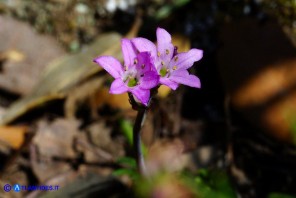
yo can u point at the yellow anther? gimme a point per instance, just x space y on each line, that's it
175 67
162 63
167 51
135 61
158 54
176 58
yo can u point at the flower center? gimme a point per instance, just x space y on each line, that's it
163 71
132 82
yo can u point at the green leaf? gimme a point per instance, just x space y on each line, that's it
167 9
213 183
133 174
127 129
128 161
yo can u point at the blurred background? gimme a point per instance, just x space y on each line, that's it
59 126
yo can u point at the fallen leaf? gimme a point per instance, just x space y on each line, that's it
166 155
13 175
118 101
266 84
14 136
98 145
20 50
56 139
280 118
13 55
163 91
81 94
46 169
53 140
63 74
259 77
163 186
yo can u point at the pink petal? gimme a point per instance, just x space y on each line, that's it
128 52
183 77
144 45
111 65
149 80
164 45
169 83
144 62
185 60
118 87
142 95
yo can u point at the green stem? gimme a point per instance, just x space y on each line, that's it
140 119
137 140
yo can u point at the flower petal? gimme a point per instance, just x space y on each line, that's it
185 60
169 83
164 45
110 64
183 77
118 87
149 80
128 51
142 95
144 45
144 63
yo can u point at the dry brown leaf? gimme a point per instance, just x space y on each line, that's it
166 155
13 55
53 140
65 73
259 77
266 84
98 145
46 169
169 185
14 136
84 93
119 101
280 118
163 91
13 175
56 139
21 54
266 90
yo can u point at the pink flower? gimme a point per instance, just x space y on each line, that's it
170 65
137 76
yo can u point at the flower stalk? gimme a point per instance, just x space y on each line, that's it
140 119
137 140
